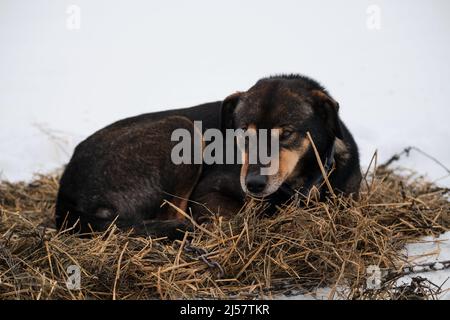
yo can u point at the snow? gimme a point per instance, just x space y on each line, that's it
425 250
58 85
431 250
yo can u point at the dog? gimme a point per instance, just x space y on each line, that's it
123 173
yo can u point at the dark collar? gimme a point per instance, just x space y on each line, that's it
316 180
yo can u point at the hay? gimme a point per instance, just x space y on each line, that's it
297 250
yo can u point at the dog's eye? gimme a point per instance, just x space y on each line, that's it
286 134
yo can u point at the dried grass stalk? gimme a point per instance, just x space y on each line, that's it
300 248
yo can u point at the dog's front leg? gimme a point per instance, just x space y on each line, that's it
172 229
215 203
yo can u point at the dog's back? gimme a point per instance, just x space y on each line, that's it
124 171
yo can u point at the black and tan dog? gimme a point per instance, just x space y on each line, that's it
123 173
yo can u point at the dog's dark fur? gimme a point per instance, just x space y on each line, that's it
123 173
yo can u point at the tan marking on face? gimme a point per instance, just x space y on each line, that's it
300 152
244 170
251 130
289 160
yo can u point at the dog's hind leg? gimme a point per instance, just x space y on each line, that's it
124 176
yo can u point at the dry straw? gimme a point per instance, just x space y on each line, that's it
297 250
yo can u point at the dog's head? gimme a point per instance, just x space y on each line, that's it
287 106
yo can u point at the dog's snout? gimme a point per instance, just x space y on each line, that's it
256 183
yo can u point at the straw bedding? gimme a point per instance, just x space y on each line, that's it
251 256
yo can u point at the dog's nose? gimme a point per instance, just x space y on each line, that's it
256 183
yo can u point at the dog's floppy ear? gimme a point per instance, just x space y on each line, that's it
328 108
228 106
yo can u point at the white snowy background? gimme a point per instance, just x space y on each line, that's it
58 84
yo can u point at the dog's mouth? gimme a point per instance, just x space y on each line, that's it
268 188
272 192
284 194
